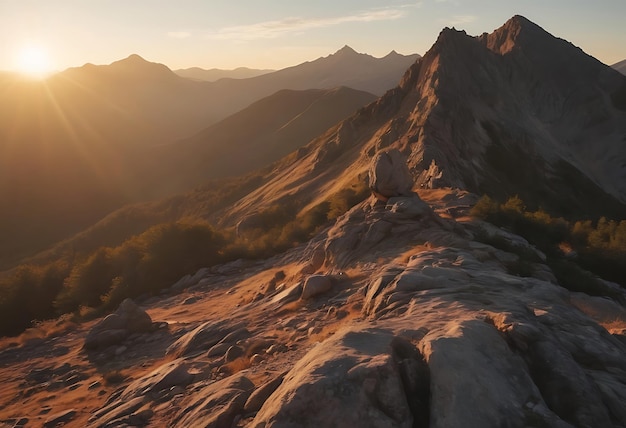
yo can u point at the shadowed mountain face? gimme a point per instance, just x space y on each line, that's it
620 66
252 138
197 73
517 111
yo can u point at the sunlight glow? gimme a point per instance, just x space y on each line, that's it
33 61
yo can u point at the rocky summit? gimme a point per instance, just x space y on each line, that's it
406 311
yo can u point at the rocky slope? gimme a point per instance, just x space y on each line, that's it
394 316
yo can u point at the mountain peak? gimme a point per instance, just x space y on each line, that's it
135 63
517 30
346 50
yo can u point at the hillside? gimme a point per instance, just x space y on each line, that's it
73 146
493 115
253 138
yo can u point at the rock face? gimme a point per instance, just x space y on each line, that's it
127 319
355 379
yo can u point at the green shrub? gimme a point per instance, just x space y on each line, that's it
600 249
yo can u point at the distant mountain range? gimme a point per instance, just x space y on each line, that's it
73 147
253 138
213 74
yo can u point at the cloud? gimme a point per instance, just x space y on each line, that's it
290 25
461 19
179 34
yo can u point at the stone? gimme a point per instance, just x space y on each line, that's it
262 393
114 328
174 373
316 285
288 295
200 339
389 175
348 380
61 418
233 353
217 404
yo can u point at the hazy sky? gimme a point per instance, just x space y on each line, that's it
277 33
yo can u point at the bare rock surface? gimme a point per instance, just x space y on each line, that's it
352 378
389 175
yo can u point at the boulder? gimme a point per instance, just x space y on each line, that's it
218 403
350 380
389 175
202 338
316 285
262 393
174 373
113 329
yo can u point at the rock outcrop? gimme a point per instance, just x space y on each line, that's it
389 175
115 328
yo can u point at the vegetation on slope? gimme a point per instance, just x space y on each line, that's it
576 251
100 277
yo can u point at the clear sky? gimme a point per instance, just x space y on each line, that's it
276 33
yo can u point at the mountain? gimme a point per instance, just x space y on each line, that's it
70 144
406 310
255 137
620 66
213 74
514 112
346 67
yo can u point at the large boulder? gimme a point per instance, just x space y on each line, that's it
355 379
389 175
126 320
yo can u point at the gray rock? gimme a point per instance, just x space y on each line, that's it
200 339
218 404
349 380
174 373
233 353
62 418
290 294
389 175
114 411
262 393
315 285
114 328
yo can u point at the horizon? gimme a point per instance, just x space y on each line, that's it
41 37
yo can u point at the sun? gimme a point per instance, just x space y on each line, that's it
33 61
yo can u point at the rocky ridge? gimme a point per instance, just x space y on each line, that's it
516 111
416 315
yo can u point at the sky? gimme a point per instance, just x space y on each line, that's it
57 34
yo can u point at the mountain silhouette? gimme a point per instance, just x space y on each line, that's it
214 74
253 138
70 142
